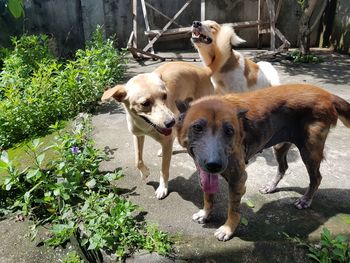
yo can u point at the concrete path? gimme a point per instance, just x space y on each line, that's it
262 240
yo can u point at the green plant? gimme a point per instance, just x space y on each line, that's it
297 56
328 250
15 7
72 257
36 90
75 198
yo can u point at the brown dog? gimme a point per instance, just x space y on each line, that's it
149 102
222 133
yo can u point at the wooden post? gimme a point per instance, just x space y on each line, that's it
271 9
150 44
259 25
144 11
134 22
202 10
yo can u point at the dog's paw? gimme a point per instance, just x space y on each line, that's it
303 203
144 172
161 192
201 216
267 189
224 233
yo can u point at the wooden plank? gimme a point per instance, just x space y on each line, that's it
278 9
187 30
202 10
167 25
137 50
162 14
144 11
134 22
271 10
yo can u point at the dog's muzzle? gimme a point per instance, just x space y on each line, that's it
165 131
197 36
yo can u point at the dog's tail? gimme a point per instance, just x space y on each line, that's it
343 110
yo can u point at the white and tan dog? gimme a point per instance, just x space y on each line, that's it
230 71
149 101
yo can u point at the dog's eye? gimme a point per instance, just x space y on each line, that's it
197 127
228 129
165 96
146 103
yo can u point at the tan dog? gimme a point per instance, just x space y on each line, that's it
222 133
230 71
149 101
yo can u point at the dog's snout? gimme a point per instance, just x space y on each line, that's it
214 166
169 123
196 24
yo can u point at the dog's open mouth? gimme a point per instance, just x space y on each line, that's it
164 131
208 182
198 37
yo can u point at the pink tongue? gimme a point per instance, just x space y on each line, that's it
208 182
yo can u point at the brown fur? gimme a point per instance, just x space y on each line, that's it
233 128
149 101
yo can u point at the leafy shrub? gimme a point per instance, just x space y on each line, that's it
36 89
329 249
75 198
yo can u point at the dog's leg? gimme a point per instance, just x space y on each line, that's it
138 144
236 191
281 151
167 149
312 155
202 215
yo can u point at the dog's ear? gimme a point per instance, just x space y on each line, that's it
117 92
236 40
241 113
183 105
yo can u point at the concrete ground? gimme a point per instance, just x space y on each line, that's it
262 240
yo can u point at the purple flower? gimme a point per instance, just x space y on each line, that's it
75 150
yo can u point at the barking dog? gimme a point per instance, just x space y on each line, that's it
230 71
149 101
221 133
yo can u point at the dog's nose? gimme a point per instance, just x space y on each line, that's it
169 123
196 24
214 166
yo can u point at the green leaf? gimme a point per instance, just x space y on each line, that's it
91 184
341 238
40 158
31 173
313 257
36 143
250 204
244 221
16 8
5 157
326 234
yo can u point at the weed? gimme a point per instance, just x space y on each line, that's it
298 57
73 197
36 89
328 250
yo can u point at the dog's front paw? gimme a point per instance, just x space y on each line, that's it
303 202
161 192
144 172
201 216
267 189
224 233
